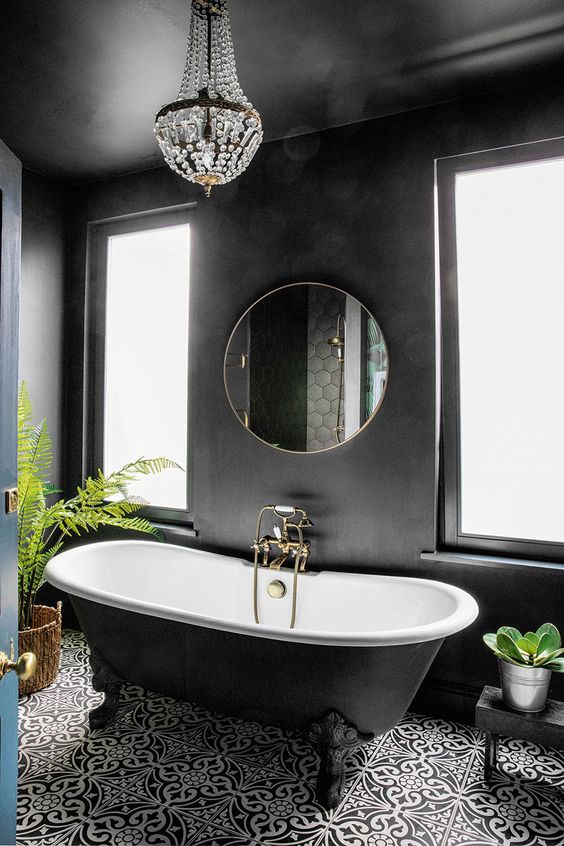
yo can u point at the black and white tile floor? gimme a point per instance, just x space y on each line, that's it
167 772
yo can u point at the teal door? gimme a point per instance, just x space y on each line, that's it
10 227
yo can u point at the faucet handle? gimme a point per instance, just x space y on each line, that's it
290 511
277 531
285 510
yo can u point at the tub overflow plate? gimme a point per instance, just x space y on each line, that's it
276 589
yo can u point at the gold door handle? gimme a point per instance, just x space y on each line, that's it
24 667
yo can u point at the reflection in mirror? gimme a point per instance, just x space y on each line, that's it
306 367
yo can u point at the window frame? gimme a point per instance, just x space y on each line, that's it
449 534
98 234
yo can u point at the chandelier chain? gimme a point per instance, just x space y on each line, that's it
209 37
211 132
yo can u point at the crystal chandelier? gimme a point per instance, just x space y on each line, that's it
210 133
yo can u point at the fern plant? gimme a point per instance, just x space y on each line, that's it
44 527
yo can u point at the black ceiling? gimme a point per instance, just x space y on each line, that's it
81 80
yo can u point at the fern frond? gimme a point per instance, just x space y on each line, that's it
149 466
25 411
36 453
122 508
133 497
101 501
139 524
42 560
84 521
31 508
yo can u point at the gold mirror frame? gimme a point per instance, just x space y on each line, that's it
242 414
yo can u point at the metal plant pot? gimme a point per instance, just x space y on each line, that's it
524 688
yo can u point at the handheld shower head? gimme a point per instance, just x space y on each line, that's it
338 340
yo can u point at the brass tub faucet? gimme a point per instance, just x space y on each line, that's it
290 543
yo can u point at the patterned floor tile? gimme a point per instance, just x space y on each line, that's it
125 822
52 729
213 836
117 754
239 739
360 824
435 739
52 801
73 676
170 773
74 650
161 714
461 838
80 700
510 812
275 810
197 782
420 787
297 757
73 639
526 762
25 762
131 694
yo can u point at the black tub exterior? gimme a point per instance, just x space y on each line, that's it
270 681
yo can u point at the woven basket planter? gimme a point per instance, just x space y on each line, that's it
44 640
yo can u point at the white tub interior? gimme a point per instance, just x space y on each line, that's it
214 590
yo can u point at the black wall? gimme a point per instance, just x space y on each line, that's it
278 369
353 207
44 205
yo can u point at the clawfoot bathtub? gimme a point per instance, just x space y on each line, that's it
180 622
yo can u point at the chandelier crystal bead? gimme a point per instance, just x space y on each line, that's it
210 133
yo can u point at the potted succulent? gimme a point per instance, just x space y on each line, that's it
44 525
525 664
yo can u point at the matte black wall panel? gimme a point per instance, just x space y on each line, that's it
45 206
41 309
365 225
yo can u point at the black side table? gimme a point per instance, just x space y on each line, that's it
495 718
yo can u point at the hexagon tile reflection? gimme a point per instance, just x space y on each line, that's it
323 373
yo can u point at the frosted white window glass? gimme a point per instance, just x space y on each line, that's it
146 357
510 254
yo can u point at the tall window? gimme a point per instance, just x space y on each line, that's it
501 234
139 302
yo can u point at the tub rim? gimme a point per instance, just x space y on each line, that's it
464 614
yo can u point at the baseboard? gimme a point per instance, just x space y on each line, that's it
449 700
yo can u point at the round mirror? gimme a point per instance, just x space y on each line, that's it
306 367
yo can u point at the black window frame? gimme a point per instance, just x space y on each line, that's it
449 534
98 234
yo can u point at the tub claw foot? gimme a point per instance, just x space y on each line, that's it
106 681
334 738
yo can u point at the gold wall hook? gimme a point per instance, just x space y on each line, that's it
241 364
